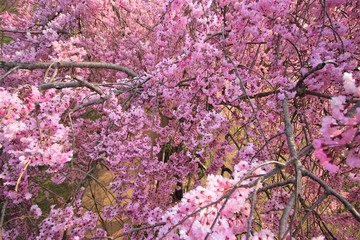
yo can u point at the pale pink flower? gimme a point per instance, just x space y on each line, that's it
349 83
36 211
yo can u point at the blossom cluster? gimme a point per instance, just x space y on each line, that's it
218 210
340 130
31 136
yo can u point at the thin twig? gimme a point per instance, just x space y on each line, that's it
277 184
47 72
96 180
90 86
138 229
309 211
7 73
242 85
237 73
21 174
90 103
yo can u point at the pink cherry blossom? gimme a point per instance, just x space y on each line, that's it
179 119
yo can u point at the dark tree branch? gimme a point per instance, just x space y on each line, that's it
277 184
262 94
19 31
90 86
317 94
300 87
54 65
327 96
59 85
90 103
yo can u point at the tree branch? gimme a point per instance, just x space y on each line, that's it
331 191
19 31
138 229
277 184
249 220
288 129
59 85
298 176
285 216
327 96
90 86
54 65
309 211
3 210
300 87
7 73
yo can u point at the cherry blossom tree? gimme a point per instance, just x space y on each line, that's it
213 119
